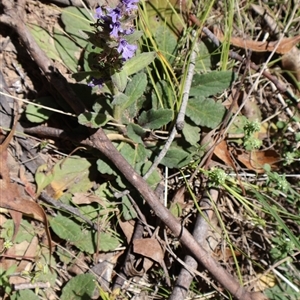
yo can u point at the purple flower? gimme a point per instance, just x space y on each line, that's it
130 4
128 31
99 13
126 49
115 14
96 81
116 28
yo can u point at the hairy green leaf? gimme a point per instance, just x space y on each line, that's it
191 133
135 133
45 40
77 23
162 95
120 79
166 42
68 50
72 174
25 233
134 155
155 176
24 295
80 287
205 111
120 99
105 167
138 62
155 119
38 114
209 84
92 119
108 242
135 89
128 212
66 229
165 14
176 157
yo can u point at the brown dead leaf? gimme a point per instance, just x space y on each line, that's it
87 198
127 228
291 62
22 254
225 254
17 218
149 248
13 200
284 46
222 152
26 249
255 160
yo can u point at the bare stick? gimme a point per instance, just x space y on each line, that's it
181 114
201 228
187 86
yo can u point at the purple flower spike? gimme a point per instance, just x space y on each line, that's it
116 28
115 14
130 4
128 31
126 49
96 81
99 13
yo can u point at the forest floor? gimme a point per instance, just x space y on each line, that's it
78 222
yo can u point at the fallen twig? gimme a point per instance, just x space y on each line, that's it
185 277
